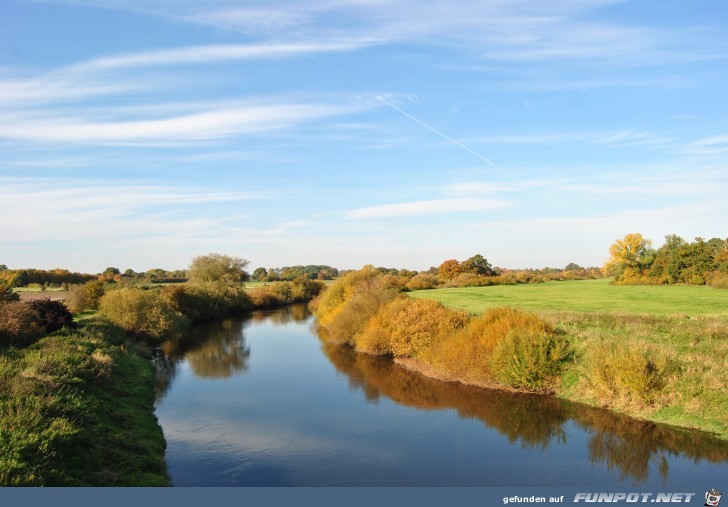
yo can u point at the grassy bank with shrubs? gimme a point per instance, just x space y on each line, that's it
661 368
77 409
77 396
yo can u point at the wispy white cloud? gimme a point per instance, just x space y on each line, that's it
527 30
213 124
428 207
707 146
208 54
623 137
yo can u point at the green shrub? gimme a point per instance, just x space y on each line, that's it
530 357
85 297
205 301
626 374
141 312
19 324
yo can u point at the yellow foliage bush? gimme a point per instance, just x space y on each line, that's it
626 373
471 352
331 301
405 327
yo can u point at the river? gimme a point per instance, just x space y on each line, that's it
263 401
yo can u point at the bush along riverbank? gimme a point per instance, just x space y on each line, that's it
663 369
77 400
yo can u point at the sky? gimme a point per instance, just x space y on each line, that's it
399 133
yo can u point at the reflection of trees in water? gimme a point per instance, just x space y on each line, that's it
528 419
283 316
631 445
619 442
217 349
213 350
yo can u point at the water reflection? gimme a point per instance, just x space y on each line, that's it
630 445
214 349
298 314
621 443
217 349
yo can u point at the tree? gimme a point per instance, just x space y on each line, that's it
216 267
3 267
260 274
6 293
477 264
449 269
629 257
109 273
573 266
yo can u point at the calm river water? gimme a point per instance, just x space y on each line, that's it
262 401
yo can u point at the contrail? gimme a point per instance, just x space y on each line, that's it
426 125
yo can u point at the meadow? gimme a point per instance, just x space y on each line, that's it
682 329
587 296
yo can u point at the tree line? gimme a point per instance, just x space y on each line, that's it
633 260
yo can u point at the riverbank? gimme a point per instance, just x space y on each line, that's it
77 406
665 368
78 410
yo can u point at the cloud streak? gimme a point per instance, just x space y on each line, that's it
427 207
213 124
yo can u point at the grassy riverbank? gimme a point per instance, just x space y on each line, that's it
77 410
77 406
657 353
686 326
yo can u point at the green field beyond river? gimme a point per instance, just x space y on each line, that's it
587 296
685 325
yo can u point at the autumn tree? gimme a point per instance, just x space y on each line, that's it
216 267
629 257
449 269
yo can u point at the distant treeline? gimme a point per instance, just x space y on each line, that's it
476 271
25 277
633 261
290 273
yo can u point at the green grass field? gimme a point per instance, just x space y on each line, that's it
587 296
688 324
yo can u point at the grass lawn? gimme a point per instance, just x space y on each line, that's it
587 296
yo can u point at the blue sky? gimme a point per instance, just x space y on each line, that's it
399 133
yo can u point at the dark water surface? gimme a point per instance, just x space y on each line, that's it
262 401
